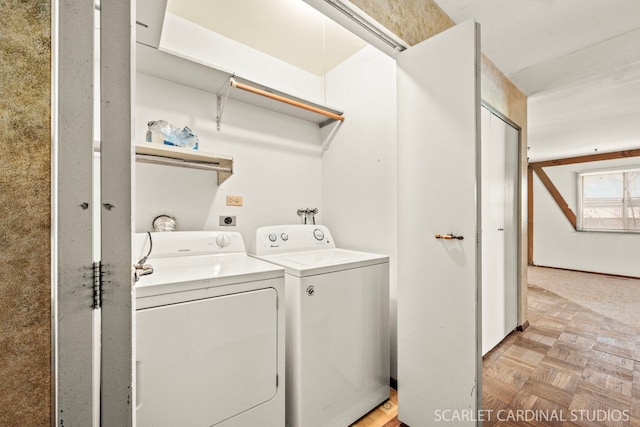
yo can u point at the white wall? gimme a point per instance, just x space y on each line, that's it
277 158
279 165
277 162
190 40
557 244
359 193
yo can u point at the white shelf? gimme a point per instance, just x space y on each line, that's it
187 72
147 152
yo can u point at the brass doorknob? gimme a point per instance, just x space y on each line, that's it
449 236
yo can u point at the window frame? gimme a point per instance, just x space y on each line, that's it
580 202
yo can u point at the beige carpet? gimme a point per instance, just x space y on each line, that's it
615 297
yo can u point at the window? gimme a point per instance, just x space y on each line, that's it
609 201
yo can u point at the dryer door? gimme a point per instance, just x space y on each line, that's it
201 362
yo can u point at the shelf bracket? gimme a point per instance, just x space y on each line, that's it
219 112
222 101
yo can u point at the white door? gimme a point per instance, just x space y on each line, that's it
91 346
438 193
499 229
117 21
73 208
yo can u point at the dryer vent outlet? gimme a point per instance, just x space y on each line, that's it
227 220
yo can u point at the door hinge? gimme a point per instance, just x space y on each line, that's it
97 285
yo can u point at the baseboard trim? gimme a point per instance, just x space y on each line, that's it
588 272
523 327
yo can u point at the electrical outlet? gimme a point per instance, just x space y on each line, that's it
234 200
227 220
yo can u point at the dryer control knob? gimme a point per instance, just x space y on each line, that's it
284 236
318 234
223 241
273 237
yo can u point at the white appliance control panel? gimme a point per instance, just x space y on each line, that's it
291 238
187 243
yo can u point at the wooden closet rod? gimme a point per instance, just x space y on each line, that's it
298 104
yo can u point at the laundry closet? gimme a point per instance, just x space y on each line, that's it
272 163
264 165
281 162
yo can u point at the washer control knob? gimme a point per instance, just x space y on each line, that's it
273 237
284 236
318 234
223 240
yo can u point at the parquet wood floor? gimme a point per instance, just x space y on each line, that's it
571 368
383 416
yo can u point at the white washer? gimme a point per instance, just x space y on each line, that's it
337 320
209 333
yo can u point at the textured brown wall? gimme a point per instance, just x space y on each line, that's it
411 20
25 230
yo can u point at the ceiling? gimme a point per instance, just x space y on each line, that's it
289 30
577 60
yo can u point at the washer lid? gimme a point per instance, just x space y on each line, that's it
309 263
172 275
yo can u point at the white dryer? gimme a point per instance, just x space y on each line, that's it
209 333
337 317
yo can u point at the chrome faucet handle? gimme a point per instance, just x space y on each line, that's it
142 270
